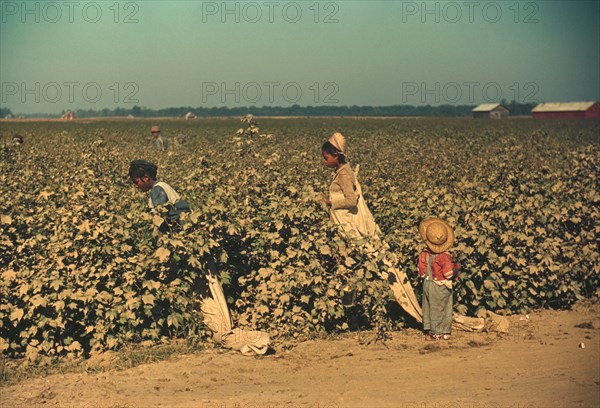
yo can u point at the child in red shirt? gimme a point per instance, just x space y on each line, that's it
437 269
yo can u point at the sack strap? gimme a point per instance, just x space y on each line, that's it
172 195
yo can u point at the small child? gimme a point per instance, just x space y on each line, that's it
144 175
437 269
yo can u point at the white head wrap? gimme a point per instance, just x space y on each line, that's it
339 142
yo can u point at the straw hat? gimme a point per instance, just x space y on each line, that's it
437 234
154 129
338 141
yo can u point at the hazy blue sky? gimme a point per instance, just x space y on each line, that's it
67 55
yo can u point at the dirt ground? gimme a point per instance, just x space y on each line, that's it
550 360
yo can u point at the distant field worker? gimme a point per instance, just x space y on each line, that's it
211 298
437 270
161 142
17 140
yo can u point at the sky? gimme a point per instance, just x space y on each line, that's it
65 55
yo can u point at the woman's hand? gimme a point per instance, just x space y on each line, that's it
326 200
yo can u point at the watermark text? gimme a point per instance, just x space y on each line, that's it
470 11
69 92
468 92
69 11
269 92
270 12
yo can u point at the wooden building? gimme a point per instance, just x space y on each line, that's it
566 110
491 111
68 116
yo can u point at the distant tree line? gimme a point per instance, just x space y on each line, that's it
519 109
516 109
297 110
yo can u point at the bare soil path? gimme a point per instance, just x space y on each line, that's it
539 364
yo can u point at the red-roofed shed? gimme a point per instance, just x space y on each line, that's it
567 110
